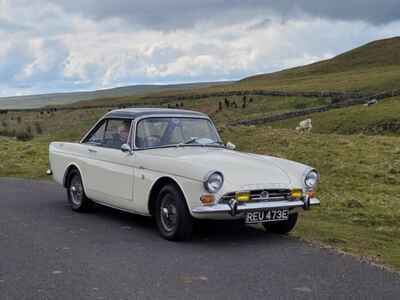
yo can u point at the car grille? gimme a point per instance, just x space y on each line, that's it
259 195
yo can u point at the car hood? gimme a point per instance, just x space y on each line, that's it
240 170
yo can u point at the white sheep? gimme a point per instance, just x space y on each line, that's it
304 126
371 102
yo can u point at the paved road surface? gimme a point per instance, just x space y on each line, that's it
49 252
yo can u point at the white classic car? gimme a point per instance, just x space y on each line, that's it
172 164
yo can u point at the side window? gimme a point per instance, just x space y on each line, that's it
97 135
116 133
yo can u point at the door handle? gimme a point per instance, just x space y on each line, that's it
92 150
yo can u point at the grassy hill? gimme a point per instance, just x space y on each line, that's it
371 67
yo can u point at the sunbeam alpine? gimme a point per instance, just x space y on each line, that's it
172 165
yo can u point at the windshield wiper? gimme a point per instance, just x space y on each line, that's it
195 139
187 142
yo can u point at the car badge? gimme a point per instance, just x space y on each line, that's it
264 195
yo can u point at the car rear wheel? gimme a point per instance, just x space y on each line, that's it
282 227
76 193
173 219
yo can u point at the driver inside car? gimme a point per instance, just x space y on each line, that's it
123 133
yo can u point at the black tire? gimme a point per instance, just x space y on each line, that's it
282 227
172 216
76 193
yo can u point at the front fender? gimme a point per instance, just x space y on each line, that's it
146 179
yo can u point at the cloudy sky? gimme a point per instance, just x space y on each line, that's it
69 45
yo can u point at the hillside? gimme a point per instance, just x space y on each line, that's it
371 67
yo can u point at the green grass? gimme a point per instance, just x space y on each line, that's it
380 119
372 79
23 159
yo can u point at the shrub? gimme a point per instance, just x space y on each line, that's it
227 104
7 132
19 119
24 135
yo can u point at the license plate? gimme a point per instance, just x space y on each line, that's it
261 216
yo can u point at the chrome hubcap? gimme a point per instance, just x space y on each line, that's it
168 213
76 191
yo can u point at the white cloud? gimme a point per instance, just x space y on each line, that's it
46 48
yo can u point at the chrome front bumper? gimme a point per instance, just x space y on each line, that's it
237 208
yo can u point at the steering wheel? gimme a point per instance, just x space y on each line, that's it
152 140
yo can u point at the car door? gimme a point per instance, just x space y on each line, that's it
110 171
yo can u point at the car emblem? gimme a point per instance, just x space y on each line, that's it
264 195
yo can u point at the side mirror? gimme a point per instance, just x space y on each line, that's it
230 146
126 148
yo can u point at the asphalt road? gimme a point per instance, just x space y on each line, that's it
49 252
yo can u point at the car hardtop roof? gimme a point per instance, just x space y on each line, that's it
133 113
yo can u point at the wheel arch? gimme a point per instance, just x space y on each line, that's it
68 170
156 188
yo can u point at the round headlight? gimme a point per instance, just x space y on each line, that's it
311 179
214 182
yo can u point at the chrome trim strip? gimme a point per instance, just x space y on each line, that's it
243 207
132 211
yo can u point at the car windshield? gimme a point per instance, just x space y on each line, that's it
173 131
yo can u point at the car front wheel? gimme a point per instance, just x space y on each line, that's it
76 193
173 219
282 227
